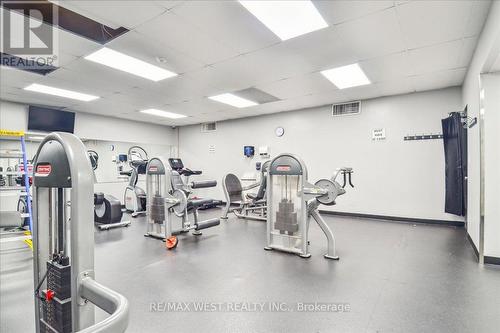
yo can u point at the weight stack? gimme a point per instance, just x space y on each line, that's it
56 313
286 218
158 209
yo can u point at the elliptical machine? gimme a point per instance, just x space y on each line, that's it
107 209
292 201
169 196
63 244
135 197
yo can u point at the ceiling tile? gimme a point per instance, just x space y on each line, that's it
104 106
298 86
335 12
140 99
173 31
431 22
75 45
227 21
16 78
320 50
374 35
359 93
402 85
63 77
108 78
196 107
149 49
387 67
435 58
438 80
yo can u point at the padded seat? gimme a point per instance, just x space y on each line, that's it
252 195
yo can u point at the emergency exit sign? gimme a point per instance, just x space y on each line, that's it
378 134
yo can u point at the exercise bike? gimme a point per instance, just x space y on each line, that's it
135 197
107 209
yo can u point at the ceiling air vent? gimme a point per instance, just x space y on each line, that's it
345 109
209 127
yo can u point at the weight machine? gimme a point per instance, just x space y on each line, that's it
168 196
63 243
252 206
292 201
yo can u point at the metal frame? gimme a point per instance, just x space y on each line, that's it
77 242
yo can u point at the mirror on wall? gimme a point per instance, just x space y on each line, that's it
112 157
109 164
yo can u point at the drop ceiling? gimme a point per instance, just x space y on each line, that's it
219 47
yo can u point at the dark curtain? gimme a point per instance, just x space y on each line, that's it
455 151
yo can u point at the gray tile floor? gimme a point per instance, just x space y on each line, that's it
396 277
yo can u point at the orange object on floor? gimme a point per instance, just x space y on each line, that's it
171 242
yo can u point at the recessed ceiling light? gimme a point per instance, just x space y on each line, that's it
287 19
123 62
233 100
346 76
60 92
165 114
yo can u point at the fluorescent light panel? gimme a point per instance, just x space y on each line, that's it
60 92
287 19
233 100
123 62
165 114
346 76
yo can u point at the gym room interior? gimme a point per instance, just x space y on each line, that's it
249 166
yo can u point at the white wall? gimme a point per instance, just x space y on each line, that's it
491 85
484 56
392 177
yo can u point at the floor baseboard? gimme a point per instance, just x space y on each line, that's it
396 218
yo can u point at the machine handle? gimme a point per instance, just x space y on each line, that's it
346 174
108 300
204 184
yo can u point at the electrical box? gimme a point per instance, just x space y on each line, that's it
264 151
249 151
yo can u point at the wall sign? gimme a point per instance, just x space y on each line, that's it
378 134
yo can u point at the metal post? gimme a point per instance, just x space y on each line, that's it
27 184
481 173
